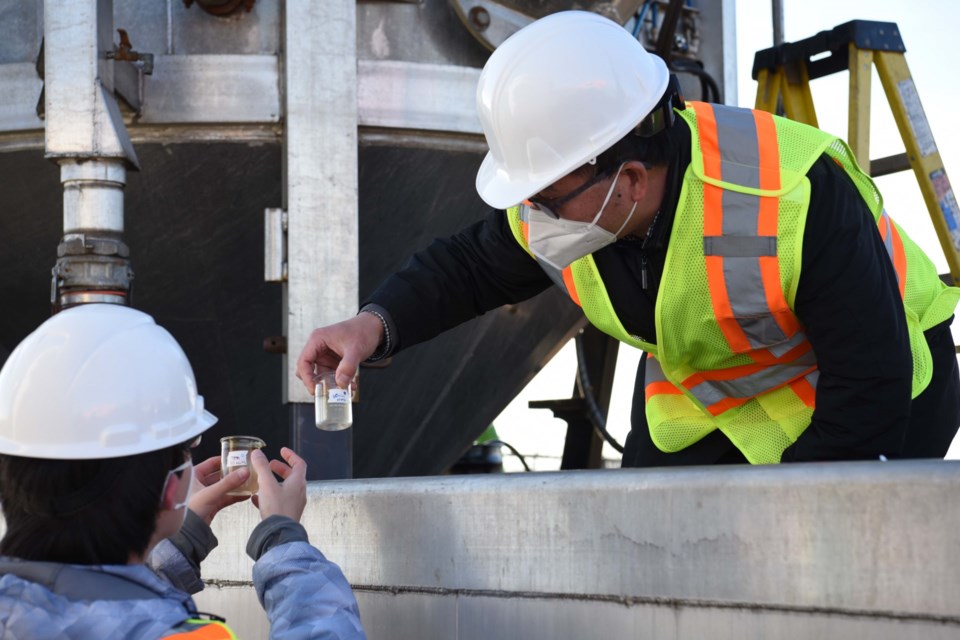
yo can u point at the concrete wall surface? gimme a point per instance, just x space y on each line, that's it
799 551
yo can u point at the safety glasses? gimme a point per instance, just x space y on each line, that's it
550 206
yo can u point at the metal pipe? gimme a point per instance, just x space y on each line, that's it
93 195
85 134
777 22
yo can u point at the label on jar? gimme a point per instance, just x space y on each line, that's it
338 396
236 458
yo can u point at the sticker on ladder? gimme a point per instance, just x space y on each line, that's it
917 118
948 204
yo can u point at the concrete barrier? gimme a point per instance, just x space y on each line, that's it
792 551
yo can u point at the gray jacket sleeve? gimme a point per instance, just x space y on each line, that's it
177 559
304 594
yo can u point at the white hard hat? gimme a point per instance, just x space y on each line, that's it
555 95
98 381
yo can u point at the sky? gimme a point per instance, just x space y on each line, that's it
927 29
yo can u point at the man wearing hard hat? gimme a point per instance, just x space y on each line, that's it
783 314
98 412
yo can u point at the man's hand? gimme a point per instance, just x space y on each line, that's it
340 347
210 492
286 498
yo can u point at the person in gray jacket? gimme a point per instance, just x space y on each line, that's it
98 413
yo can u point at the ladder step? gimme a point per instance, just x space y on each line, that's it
888 165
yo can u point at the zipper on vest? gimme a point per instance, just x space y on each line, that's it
643 251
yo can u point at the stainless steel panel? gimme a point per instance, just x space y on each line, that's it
426 32
194 31
212 89
145 22
20 87
321 173
21 29
418 96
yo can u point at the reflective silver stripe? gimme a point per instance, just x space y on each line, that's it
740 246
734 247
813 377
653 372
739 147
712 391
888 241
707 394
779 350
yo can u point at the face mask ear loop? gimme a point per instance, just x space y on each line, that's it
609 195
629 215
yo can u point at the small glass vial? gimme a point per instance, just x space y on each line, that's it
334 406
235 455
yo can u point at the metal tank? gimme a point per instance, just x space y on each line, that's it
269 163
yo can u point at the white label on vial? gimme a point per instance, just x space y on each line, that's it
236 458
338 396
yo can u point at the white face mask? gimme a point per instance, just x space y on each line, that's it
559 242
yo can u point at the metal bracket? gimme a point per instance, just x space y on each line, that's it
275 223
129 67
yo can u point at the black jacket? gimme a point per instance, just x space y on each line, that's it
847 300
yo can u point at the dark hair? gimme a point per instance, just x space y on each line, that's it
654 150
83 511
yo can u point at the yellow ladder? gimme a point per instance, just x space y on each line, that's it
783 74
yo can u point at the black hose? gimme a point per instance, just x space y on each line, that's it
523 460
593 409
707 84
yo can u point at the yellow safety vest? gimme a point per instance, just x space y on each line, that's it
731 353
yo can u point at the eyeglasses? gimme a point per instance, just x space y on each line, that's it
550 206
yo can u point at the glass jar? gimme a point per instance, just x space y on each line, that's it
334 406
235 455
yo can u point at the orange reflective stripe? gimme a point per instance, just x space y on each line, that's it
893 243
899 259
721 305
769 170
773 290
805 391
209 631
769 155
709 149
525 230
661 388
725 405
571 285
730 373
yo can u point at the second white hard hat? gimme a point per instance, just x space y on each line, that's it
555 95
98 381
